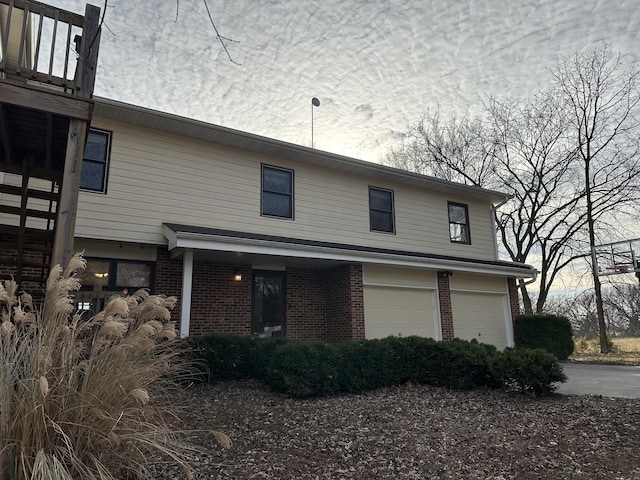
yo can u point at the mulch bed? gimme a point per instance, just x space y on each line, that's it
408 432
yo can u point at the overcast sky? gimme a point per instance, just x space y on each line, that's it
376 66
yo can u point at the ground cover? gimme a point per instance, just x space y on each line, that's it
407 432
624 351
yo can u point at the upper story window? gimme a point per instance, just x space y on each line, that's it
381 217
459 223
277 192
95 162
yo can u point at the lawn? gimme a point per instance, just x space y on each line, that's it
409 432
625 351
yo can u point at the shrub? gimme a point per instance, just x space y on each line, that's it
415 356
469 364
84 398
550 332
367 365
530 370
232 357
304 369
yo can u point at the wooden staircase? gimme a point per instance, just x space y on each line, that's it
45 112
29 209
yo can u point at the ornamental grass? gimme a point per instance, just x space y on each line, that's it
86 397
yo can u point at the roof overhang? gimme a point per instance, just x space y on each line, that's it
183 237
153 119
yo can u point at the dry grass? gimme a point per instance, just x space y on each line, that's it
623 350
82 398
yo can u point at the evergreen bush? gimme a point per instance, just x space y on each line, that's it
304 369
367 365
531 371
469 364
552 333
232 357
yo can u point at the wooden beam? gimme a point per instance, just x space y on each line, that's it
4 136
89 47
68 206
47 101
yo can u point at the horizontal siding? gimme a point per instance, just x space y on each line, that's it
477 283
384 275
156 177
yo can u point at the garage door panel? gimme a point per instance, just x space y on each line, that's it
479 316
398 311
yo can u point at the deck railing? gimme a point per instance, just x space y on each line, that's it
49 45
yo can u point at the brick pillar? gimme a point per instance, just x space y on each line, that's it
168 279
357 302
306 305
345 304
514 297
444 297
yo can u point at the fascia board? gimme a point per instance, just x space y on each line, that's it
197 241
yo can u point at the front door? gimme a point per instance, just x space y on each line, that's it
268 315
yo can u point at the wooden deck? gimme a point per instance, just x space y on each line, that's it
48 60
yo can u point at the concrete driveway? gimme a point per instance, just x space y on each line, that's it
606 380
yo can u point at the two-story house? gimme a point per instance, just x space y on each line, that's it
253 235
259 236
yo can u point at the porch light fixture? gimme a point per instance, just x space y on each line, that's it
101 275
237 276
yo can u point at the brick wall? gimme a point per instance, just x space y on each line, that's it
220 304
168 279
444 298
345 304
9 254
306 304
321 305
514 297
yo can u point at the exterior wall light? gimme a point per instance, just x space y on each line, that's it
237 276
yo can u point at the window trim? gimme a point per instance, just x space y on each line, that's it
392 211
291 195
105 179
467 240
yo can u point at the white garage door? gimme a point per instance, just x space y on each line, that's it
481 316
398 311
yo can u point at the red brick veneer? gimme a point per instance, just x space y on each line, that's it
444 298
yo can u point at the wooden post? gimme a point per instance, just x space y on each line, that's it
88 58
68 207
85 78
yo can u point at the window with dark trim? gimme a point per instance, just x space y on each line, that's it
95 162
126 276
459 223
381 216
277 192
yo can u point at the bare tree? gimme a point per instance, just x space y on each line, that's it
602 100
520 148
622 306
568 157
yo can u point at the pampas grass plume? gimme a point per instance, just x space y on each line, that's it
141 395
7 328
43 383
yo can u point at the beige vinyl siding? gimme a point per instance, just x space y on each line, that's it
156 177
399 301
480 310
117 250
